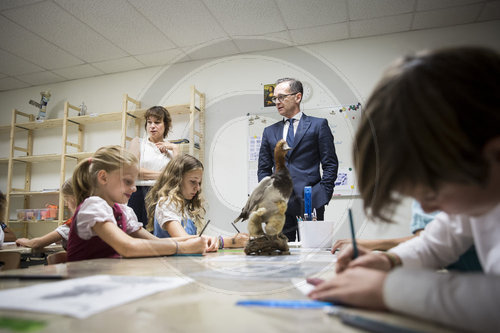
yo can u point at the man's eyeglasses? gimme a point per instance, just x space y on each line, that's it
281 97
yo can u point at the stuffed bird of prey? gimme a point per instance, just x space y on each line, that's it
268 201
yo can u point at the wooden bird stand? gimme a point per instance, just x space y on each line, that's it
268 245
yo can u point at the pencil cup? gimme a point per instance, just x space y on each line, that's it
316 234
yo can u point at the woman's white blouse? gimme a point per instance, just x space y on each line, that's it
151 158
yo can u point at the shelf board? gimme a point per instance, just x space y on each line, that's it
4 160
178 109
13 193
48 123
38 158
94 118
184 148
173 110
112 116
48 157
80 155
34 221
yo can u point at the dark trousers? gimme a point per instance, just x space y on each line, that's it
138 203
290 230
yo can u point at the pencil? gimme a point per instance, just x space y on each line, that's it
353 236
235 227
202 230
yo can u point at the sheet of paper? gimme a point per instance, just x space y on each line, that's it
84 297
323 256
254 147
259 271
302 285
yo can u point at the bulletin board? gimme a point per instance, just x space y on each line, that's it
256 125
343 121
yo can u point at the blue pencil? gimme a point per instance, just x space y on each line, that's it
353 235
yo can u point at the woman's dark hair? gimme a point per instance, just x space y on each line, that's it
161 114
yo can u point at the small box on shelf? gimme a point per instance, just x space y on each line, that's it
37 214
52 211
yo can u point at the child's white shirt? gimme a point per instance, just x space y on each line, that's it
466 300
96 210
167 211
63 231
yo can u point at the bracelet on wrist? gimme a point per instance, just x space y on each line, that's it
393 259
176 247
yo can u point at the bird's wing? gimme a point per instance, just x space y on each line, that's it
255 197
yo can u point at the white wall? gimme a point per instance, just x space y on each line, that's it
338 72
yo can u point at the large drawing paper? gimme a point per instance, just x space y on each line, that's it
84 297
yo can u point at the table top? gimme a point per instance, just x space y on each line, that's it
208 304
12 247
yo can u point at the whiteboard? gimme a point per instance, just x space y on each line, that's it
343 121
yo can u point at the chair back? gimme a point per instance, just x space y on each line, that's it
57 258
9 260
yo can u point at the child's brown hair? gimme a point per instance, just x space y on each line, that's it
427 122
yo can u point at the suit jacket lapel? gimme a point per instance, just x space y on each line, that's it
304 125
278 133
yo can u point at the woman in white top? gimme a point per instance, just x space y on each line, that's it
153 153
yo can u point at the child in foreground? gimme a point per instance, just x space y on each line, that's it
61 233
468 261
175 205
103 226
431 128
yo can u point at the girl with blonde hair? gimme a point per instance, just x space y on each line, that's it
103 226
175 203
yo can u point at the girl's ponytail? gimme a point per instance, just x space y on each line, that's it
107 158
82 181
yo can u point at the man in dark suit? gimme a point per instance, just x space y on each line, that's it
311 141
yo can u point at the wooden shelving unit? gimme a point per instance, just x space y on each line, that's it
22 122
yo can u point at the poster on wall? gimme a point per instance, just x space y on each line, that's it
254 142
256 125
268 94
345 184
